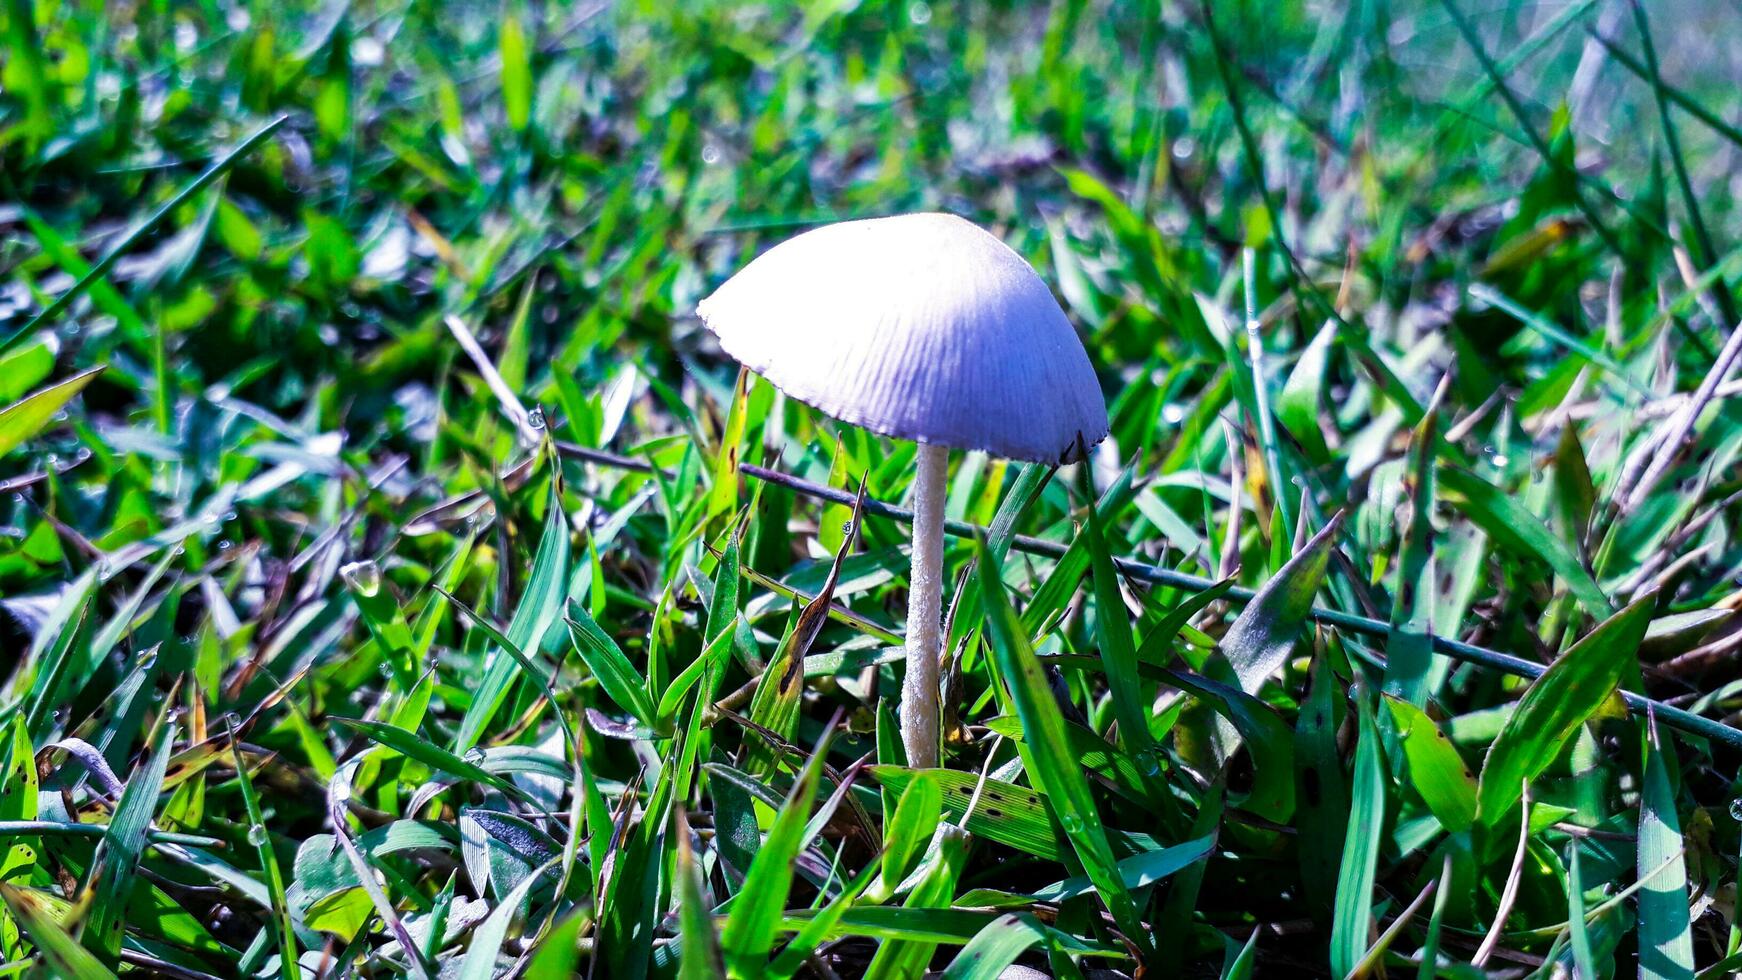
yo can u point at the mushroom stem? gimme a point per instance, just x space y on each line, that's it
925 596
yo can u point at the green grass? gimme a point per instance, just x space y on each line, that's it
396 580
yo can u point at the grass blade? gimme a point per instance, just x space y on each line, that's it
1264 633
1113 636
413 746
123 843
1555 705
1353 920
700 958
1055 771
775 705
27 416
139 231
1584 963
1322 790
618 677
261 839
486 944
1435 769
62 952
756 913
1666 941
1520 531
1409 658
996 947
540 607
906 834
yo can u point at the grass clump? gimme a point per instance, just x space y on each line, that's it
396 580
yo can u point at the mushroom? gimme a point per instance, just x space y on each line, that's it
921 327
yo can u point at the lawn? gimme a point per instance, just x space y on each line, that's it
397 578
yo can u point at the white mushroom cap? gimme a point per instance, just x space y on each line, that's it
921 327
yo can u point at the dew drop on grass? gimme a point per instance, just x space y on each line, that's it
535 418
1072 823
474 756
257 835
1149 762
1736 809
364 577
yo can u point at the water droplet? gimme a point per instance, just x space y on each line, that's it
474 756
535 418
919 12
1150 762
225 545
710 154
364 577
1072 823
1736 809
257 835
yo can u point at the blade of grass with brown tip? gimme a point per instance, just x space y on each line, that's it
775 705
